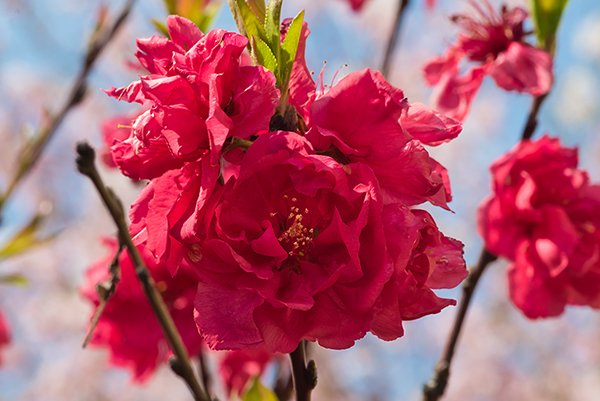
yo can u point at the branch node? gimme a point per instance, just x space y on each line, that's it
86 156
311 374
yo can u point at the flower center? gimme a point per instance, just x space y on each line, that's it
296 236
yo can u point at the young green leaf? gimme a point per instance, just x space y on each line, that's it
272 24
247 22
258 392
257 7
26 238
546 17
14 279
289 46
171 6
160 27
264 55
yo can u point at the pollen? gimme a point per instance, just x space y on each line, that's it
296 236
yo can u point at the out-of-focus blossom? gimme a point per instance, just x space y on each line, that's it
544 216
237 368
128 326
495 41
4 333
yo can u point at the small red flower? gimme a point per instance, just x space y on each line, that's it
544 216
495 41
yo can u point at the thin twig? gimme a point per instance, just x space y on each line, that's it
435 388
180 364
204 372
532 120
30 154
284 386
305 375
105 290
393 38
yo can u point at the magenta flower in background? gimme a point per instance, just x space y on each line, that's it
495 42
128 326
4 333
544 216
237 368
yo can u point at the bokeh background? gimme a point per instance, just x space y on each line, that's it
501 356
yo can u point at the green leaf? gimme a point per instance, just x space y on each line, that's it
25 239
171 6
272 24
160 27
210 12
264 55
14 279
248 23
546 18
257 7
289 47
258 392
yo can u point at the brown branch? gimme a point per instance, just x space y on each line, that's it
180 364
305 375
204 371
105 290
434 389
532 120
436 386
32 151
393 38
284 385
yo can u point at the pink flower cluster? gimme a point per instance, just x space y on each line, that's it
285 233
495 41
544 216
